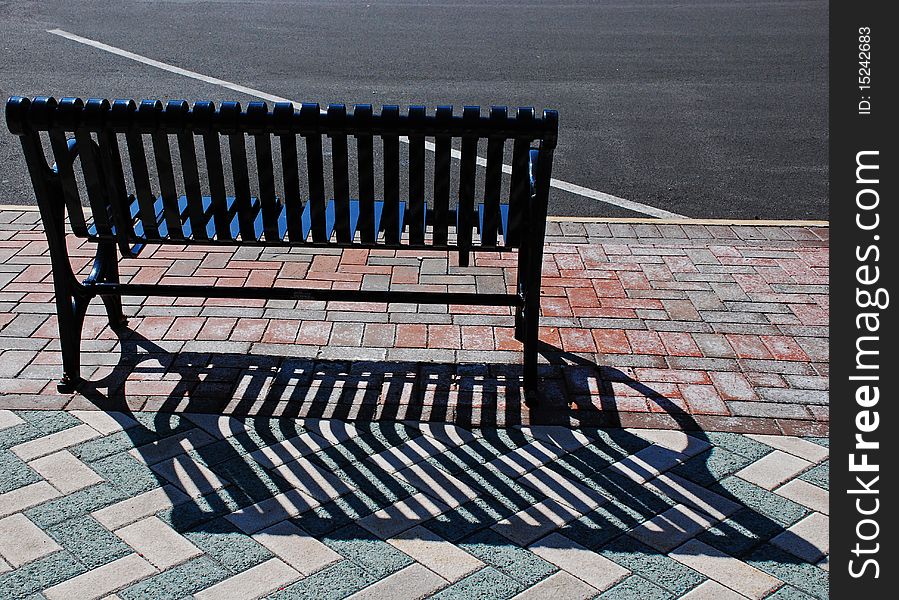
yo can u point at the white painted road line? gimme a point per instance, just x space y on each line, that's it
167 67
572 188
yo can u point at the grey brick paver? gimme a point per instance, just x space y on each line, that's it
437 554
728 571
100 582
21 541
252 583
558 585
773 470
412 582
594 569
65 472
808 539
671 528
158 543
806 494
295 547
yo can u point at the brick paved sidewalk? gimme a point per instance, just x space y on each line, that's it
693 326
167 506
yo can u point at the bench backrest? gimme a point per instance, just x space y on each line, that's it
111 138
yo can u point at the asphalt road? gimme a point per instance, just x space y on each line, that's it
701 108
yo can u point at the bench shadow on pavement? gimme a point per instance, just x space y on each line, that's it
343 490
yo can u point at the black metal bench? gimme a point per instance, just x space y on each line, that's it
205 214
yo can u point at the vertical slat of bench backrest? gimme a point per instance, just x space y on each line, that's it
93 179
467 173
65 166
417 203
229 117
24 117
176 118
163 155
102 113
144 121
531 251
310 114
442 147
493 180
282 116
390 220
203 117
340 165
362 116
521 185
257 126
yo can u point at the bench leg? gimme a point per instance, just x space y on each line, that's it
106 268
519 324
70 311
531 326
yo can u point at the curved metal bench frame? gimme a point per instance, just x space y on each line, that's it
128 220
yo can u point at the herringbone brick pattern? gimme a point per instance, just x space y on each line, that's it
712 327
151 505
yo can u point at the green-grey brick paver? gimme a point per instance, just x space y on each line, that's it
367 550
189 515
635 587
39 575
468 518
646 562
629 500
592 458
809 578
485 583
596 528
265 431
505 440
741 532
498 488
38 423
220 451
127 474
788 592
15 472
91 543
178 582
821 441
739 444
332 583
114 443
818 475
467 456
229 546
388 433
337 513
511 559
49 421
251 480
354 450
712 465
164 424
74 505
367 477
786 512
617 443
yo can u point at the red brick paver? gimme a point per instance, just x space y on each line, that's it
641 322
